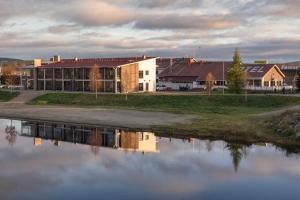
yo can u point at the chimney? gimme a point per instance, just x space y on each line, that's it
171 64
190 62
37 62
76 59
144 57
56 58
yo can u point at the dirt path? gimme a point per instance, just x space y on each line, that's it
93 116
25 96
280 111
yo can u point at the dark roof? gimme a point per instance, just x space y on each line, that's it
200 70
166 62
259 71
101 62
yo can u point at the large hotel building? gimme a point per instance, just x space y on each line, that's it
117 75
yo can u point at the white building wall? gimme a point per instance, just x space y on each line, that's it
150 66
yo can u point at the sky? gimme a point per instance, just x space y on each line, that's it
205 29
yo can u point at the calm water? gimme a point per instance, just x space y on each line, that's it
59 161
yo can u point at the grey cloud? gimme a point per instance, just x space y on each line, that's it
175 21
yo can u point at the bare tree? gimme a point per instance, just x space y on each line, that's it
210 79
10 77
11 134
246 86
95 141
94 79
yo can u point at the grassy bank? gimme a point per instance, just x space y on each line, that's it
227 117
6 96
188 104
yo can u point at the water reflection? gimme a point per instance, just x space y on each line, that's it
54 161
95 137
102 137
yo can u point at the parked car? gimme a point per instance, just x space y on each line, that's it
2 86
184 88
161 88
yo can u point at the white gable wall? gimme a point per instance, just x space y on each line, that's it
150 66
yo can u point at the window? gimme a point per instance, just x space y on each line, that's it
279 83
266 84
272 83
141 74
147 73
141 87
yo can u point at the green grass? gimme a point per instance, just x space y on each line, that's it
6 96
189 104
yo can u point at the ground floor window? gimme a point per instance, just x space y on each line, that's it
266 84
272 83
58 85
257 83
49 85
141 86
109 86
78 86
40 85
279 83
68 86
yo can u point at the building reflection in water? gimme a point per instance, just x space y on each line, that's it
96 137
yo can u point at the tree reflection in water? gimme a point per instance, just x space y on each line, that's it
237 152
11 134
95 141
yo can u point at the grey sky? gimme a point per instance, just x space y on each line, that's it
40 28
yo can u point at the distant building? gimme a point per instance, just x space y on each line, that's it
136 74
290 72
193 75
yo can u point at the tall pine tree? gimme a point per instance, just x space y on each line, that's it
236 79
298 80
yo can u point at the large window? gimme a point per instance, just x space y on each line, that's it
109 74
49 85
141 74
109 86
49 73
78 73
41 73
57 73
68 73
58 85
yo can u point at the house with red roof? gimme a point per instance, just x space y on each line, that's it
117 75
192 75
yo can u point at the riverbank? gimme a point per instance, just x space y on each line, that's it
216 117
229 117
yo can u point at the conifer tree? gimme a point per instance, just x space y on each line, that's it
236 79
298 80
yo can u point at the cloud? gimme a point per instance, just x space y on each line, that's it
160 27
175 21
